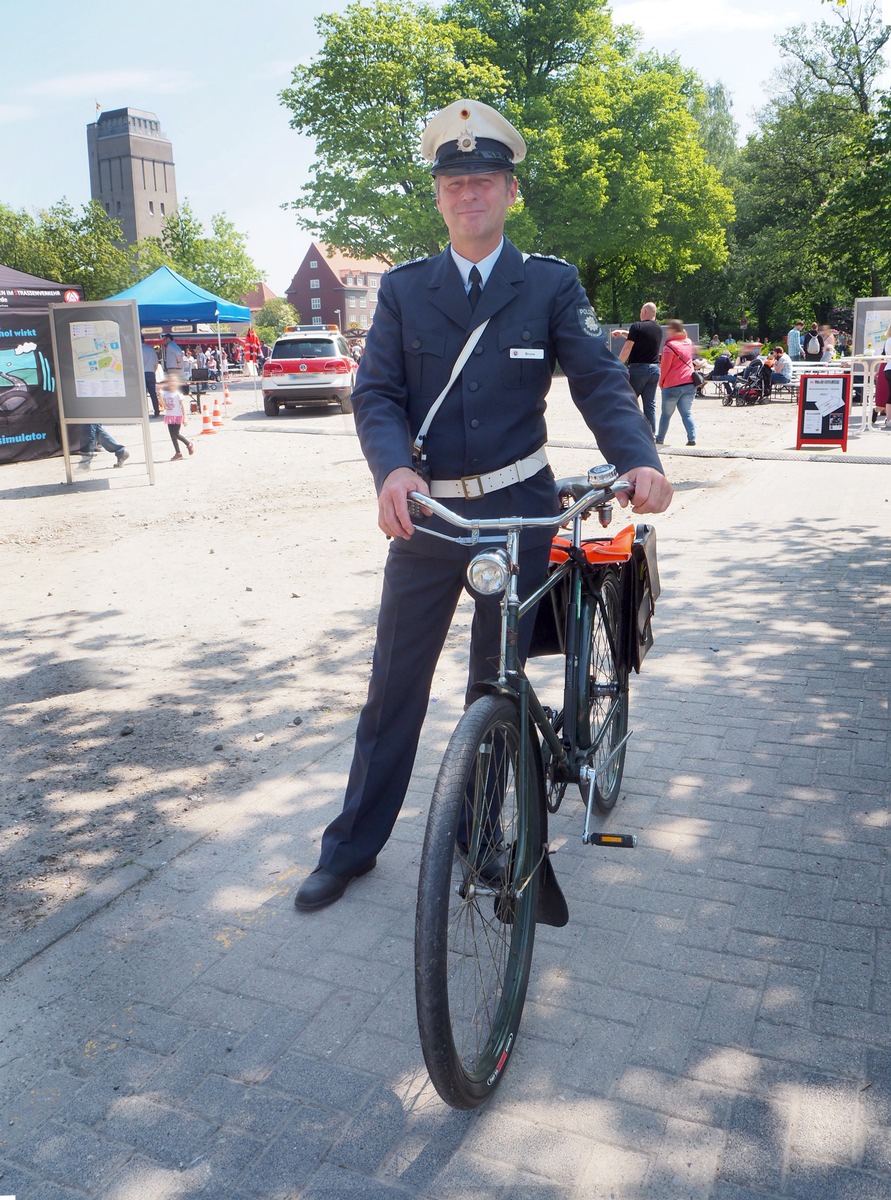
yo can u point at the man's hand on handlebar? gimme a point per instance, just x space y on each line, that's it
392 503
652 491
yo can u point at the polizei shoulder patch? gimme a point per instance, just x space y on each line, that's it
549 258
412 262
588 321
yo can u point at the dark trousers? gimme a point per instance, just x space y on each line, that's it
418 601
176 436
644 379
151 386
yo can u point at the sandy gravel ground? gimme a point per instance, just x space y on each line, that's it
165 646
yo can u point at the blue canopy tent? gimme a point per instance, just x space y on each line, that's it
165 298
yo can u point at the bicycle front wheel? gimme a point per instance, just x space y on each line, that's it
602 719
477 899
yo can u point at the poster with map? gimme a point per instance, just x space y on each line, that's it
872 316
98 362
96 346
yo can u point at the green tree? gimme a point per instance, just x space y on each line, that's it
272 318
615 179
381 73
717 128
844 56
806 185
219 262
69 245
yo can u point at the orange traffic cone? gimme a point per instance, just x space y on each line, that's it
226 399
217 419
206 426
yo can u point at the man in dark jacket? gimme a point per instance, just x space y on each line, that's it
485 450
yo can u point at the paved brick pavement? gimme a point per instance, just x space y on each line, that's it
713 1023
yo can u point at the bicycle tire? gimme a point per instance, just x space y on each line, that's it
602 715
474 930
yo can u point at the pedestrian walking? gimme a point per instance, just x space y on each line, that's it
174 415
795 341
676 381
150 367
96 435
641 356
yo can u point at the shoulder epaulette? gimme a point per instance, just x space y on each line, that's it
412 262
551 258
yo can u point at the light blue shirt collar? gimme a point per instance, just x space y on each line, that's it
484 266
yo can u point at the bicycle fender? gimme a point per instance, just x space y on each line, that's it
489 687
552 908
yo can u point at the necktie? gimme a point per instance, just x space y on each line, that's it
476 286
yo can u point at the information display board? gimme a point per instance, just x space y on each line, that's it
872 317
99 371
824 410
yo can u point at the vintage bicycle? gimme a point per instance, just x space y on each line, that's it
485 875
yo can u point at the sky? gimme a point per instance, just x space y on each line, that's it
212 73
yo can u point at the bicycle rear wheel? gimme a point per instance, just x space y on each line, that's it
602 719
477 900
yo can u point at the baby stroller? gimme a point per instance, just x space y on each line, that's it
754 383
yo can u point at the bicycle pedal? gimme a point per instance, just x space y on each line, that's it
625 841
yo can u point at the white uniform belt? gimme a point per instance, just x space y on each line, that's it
471 487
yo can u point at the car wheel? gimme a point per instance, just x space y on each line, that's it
346 402
270 406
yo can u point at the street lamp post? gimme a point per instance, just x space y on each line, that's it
337 314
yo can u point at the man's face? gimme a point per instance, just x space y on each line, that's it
474 206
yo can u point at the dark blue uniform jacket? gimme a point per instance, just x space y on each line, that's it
494 413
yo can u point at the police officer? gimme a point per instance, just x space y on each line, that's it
485 450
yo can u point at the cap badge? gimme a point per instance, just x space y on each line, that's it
466 141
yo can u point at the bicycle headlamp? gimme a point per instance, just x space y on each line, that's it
488 572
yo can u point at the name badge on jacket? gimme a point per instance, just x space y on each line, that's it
526 353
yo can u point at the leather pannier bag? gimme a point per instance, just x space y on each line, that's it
645 589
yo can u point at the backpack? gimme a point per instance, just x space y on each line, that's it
813 345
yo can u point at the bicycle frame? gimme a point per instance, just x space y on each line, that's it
512 679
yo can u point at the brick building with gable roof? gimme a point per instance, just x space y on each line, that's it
330 288
254 300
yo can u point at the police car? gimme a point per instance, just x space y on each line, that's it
309 364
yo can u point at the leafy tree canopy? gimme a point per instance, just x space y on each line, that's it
68 245
219 262
389 67
86 246
616 178
272 318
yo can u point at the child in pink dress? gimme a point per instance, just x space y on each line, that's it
174 415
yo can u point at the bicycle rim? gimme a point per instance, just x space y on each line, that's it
603 692
477 898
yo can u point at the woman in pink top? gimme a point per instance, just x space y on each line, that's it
676 380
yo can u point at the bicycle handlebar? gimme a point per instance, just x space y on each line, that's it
591 499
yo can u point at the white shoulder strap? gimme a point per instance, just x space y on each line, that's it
462 358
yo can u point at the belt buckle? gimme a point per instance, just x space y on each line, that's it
478 480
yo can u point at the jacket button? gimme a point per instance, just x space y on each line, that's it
474 424
416 344
474 462
526 335
477 349
472 387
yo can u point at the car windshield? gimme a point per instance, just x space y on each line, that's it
320 348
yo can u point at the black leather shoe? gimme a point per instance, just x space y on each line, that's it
322 888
